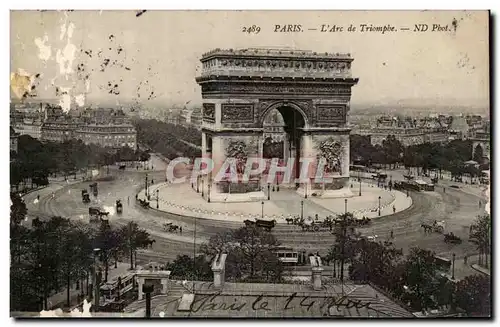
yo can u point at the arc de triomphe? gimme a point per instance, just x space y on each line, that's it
312 91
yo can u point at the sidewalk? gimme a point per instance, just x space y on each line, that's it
463 270
182 200
59 299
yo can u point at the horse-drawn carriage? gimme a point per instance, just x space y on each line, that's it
85 196
97 215
437 226
144 203
119 206
452 238
122 167
266 224
169 227
434 180
93 188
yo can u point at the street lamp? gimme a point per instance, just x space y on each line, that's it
268 191
198 184
262 203
453 268
301 209
305 191
146 189
209 187
202 187
359 186
345 201
157 198
379 205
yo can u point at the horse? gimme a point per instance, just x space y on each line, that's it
427 228
150 243
289 221
173 228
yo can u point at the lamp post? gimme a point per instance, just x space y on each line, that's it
209 188
453 268
345 201
262 203
198 184
268 191
146 189
157 198
359 186
305 191
379 205
301 209
202 187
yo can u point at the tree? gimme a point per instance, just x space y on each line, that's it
75 255
18 209
480 234
420 278
392 149
134 238
183 267
250 254
473 294
375 262
111 242
346 237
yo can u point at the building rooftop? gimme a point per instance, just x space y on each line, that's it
255 300
274 52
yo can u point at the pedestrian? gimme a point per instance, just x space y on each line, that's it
38 197
317 218
393 209
392 233
479 203
180 230
128 200
465 260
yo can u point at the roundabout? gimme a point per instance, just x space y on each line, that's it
181 199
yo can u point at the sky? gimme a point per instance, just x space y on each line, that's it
115 57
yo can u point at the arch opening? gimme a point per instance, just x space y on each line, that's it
282 136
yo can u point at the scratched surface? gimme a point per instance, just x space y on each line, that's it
149 58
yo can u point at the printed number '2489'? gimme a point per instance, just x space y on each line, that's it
251 29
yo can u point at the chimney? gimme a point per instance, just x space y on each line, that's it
219 269
317 269
148 289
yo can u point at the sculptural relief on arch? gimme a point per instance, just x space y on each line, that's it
311 92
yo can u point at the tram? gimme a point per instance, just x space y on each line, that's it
287 256
116 288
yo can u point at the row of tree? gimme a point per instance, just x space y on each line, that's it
427 156
57 253
170 140
35 161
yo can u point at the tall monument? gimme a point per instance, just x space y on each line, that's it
312 91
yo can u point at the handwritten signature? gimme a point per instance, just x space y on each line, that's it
215 302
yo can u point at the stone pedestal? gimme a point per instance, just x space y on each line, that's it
218 269
316 278
164 286
140 285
